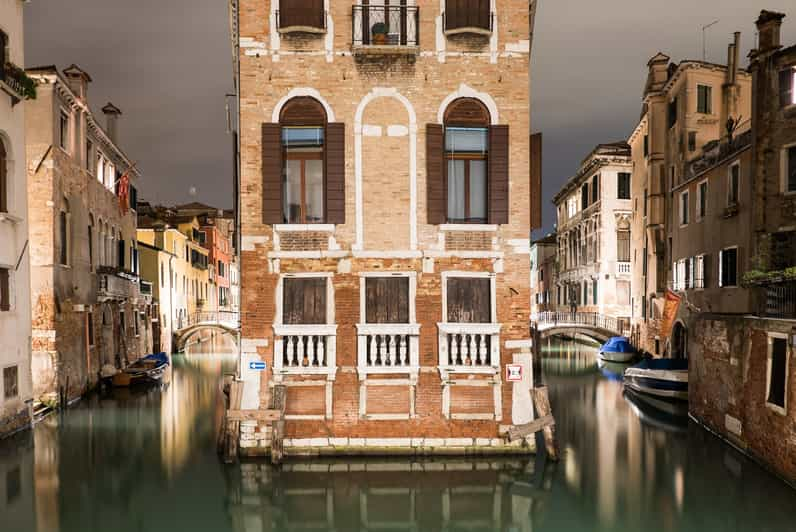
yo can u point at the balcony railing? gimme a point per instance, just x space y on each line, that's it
145 288
388 26
388 348
469 346
623 268
305 348
779 300
16 83
619 326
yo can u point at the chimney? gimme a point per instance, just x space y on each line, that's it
112 114
732 59
768 27
658 72
78 81
730 89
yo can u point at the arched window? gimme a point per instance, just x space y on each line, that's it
64 234
303 133
3 177
90 242
466 161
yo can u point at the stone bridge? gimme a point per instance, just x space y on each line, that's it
590 324
222 321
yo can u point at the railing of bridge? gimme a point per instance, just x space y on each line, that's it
219 316
620 326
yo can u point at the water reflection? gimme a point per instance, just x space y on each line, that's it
144 460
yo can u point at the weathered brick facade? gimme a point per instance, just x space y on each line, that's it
385 96
82 246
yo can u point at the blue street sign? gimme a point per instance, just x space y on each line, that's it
257 365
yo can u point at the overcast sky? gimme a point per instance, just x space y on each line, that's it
167 66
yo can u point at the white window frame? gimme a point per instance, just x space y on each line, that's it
65 144
783 171
698 217
684 208
721 262
3 383
769 353
699 269
710 100
11 289
729 183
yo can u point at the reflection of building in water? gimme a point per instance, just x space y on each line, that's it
16 486
372 495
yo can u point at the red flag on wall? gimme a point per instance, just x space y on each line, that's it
670 308
124 192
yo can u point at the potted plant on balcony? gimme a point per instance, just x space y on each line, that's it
379 32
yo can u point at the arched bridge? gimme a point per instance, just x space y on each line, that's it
223 321
597 326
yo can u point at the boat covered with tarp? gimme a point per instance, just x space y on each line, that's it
661 377
617 349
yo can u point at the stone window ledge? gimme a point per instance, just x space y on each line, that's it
302 29
9 218
469 227
469 29
385 49
288 228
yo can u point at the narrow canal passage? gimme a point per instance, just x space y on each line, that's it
144 460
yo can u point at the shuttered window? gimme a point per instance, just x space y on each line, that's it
787 94
790 168
303 165
3 178
536 181
304 301
469 300
777 371
623 185
461 14
5 290
387 300
704 99
728 267
307 13
467 167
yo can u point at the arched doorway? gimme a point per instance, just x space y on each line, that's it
679 341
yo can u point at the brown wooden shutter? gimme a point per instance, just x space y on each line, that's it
304 301
301 13
467 14
335 173
5 291
469 300
536 181
387 300
3 179
435 174
272 173
499 174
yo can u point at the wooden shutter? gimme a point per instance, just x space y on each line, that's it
469 300
335 173
435 174
304 301
536 181
499 174
301 13
467 14
272 173
387 300
786 86
5 290
3 178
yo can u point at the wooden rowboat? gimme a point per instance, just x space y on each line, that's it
149 369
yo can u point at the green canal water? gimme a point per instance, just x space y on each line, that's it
145 461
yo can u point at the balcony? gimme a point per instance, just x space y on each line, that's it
778 299
623 268
17 84
469 347
115 284
385 30
305 349
145 287
388 348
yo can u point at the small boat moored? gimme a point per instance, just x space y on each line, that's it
617 349
662 377
148 369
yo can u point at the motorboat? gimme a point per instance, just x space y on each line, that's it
614 371
146 370
661 377
665 414
617 349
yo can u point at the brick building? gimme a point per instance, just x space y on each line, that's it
686 105
544 267
593 233
385 214
15 379
734 253
88 312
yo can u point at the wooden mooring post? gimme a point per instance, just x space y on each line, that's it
278 396
544 422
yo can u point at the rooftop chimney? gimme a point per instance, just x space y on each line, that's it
768 26
78 80
112 114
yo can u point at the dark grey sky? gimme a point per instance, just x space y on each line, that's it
167 65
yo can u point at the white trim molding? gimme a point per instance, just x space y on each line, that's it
781 410
465 91
299 92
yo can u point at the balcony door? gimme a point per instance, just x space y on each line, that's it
384 22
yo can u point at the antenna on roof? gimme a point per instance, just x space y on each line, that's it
704 46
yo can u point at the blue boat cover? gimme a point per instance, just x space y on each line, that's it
161 358
663 364
617 344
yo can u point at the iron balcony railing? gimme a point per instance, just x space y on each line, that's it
385 26
779 300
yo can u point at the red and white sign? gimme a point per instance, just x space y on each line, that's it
513 372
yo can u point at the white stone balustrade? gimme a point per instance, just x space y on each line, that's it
623 268
305 349
469 346
388 348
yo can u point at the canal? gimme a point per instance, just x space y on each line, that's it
144 460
